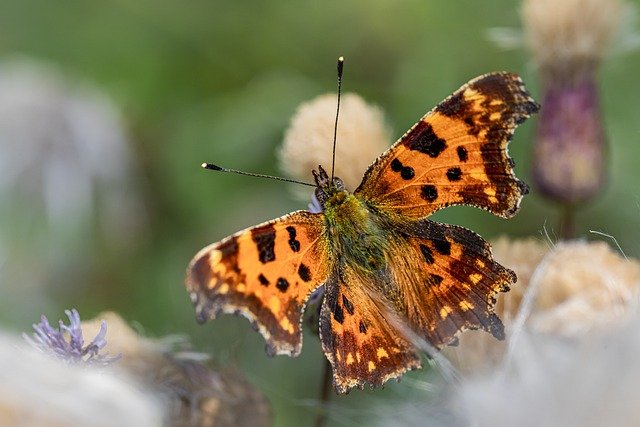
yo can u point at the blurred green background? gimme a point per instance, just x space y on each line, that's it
218 81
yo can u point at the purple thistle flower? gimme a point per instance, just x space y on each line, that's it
71 349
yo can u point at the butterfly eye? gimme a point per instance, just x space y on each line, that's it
337 182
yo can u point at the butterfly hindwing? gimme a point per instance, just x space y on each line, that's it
456 154
359 342
265 273
448 281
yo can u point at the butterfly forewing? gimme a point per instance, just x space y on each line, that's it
265 273
456 154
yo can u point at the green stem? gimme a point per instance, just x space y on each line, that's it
325 395
567 223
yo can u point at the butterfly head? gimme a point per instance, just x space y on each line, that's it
328 189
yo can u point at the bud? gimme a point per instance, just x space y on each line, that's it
569 147
568 40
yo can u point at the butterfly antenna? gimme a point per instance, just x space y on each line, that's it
335 128
213 167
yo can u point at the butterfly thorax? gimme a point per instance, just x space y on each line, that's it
353 229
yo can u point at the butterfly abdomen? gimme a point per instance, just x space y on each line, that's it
355 232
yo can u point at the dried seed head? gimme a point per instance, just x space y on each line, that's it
571 34
362 136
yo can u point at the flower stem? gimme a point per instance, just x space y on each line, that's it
325 395
567 222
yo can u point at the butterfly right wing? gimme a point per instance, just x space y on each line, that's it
456 154
358 336
266 273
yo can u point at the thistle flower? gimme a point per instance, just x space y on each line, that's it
362 136
568 40
67 342
39 390
193 393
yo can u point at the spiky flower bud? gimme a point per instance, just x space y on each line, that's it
568 40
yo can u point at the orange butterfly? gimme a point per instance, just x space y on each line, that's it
374 250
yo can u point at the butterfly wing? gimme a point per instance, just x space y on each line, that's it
266 273
448 280
456 154
445 282
357 339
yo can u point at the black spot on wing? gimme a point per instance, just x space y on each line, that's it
406 172
435 279
442 246
304 272
338 314
265 238
362 327
429 192
427 254
424 140
293 243
454 174
263 280
282 284
463 155
347 305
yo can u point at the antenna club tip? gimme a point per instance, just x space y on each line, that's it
211 166
340 66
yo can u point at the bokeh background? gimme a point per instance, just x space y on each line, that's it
107 109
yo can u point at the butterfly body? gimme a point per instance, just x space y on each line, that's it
355 233
390 275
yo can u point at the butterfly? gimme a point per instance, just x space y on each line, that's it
374 250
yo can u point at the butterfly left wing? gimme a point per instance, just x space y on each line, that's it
456 154
266 273
445 282
448 281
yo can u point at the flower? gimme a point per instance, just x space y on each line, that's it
67 342
192 391
568 40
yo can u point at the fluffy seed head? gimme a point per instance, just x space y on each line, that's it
362 136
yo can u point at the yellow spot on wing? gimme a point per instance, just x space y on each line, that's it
286 325
349 358
444 311
274 304
215 258
480 263
491 193
223 289
371 366
475 278
466 306
381 353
